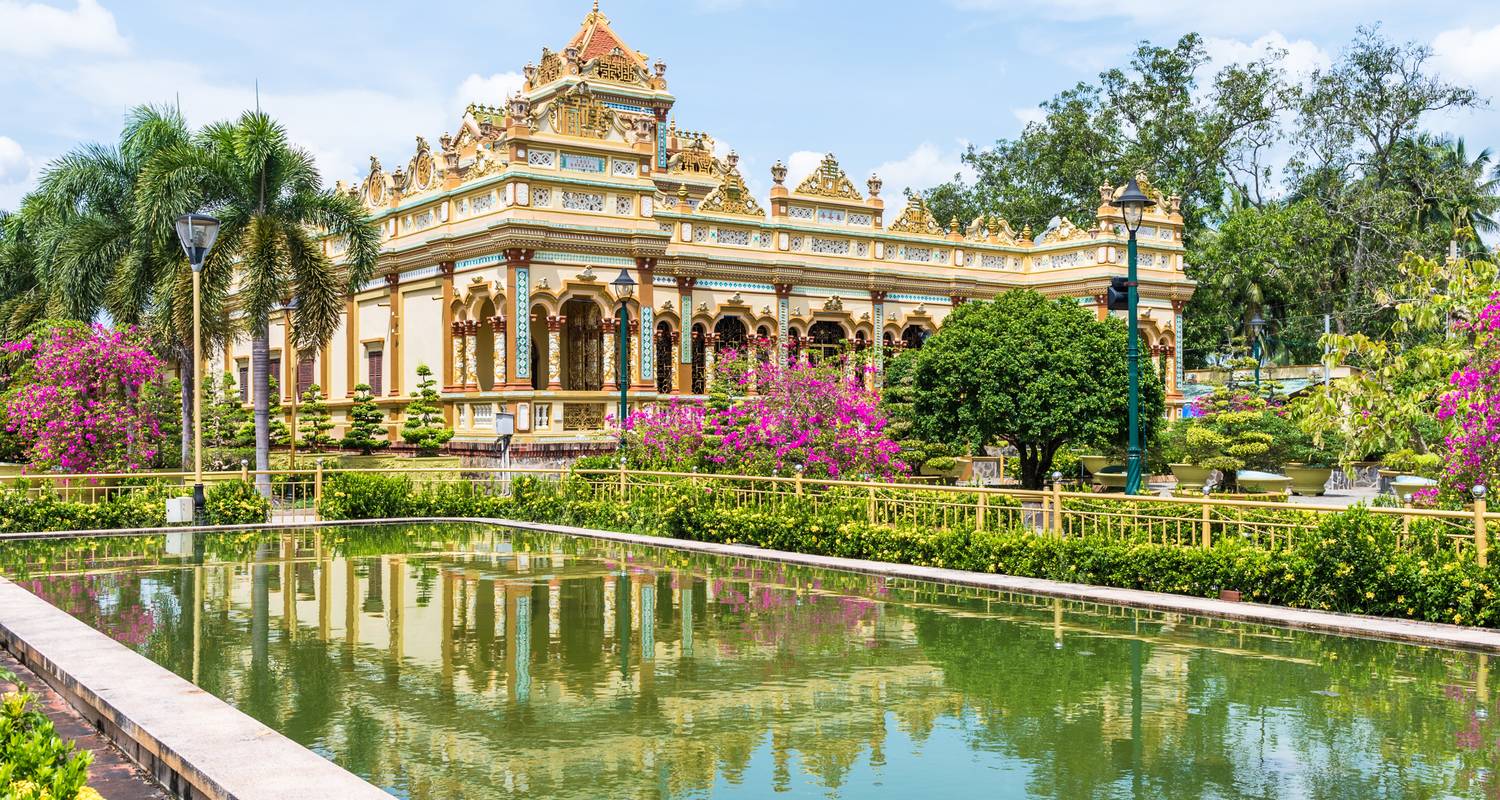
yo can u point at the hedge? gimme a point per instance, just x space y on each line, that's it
1351 563
51 510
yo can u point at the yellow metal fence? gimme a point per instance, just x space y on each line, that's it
1181 521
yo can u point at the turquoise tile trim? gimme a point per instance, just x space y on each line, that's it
522 315
919 298
557 257
736 285
479 261
648 343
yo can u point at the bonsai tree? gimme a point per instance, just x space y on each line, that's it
314 420
366 423
424 428
1236 431
1036 373
280 433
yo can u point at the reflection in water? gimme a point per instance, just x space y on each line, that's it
461 662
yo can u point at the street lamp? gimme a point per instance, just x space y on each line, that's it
197 233
1256 326
1133 204
624 287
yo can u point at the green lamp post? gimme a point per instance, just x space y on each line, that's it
1133 204
196 233
1256 326
624 287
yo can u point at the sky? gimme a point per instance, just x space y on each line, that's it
898 88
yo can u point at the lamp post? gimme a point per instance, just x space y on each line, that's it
1133 204
1256 326
624 287
197 232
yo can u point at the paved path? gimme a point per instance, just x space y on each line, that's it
112 774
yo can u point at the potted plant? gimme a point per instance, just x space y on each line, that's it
1409 471
1173 451
1313 458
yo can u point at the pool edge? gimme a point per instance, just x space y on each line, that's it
196 745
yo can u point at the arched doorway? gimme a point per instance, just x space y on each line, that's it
484 348
733 336
827 339
582 345
913 337
666 356
539 347
794 344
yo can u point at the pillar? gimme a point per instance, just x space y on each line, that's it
1177 308
518 333
646 315
351 345
633 368
471 356
1101 307
451 355
554 351
289 359
710 357
877 344
611 327
393 369
784 317
497 324
684 384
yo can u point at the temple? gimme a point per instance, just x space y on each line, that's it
499 247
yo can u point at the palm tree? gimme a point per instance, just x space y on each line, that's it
273 209
89 255
22 300
1454 193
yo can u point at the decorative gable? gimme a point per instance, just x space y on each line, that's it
829 180
731 196
916 218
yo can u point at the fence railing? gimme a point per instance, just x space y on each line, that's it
1181 521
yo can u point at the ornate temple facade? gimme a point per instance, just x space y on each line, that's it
499 246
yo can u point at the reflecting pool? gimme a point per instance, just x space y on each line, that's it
451 661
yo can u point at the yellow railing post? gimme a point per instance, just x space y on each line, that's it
1481 535
982 512
244 469
1207 533
317 486
622 479
799 480
1057 504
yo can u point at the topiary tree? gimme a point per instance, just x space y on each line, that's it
366 423
424 428
280 433
1233 430
1033 372
314 420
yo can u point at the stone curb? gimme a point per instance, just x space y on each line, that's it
196 745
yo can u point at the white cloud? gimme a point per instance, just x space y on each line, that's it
14 165
1209 18
801 164
36 30
1300 59
490 91
926 166
1468 54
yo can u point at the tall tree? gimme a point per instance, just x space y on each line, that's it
1031 372
273 208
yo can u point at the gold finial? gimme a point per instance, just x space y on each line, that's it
596 6
953 225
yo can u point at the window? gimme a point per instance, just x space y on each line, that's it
375 364
273 370
304 374
244 382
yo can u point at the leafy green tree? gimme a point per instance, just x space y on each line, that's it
424 427
280 433
1033 372
366 423
315 420
223 415
272 205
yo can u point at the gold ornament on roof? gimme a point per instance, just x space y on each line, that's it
731 196
695 159
829 180
375 183
916 218
834 303
1064 232
549 70
580 113
422 169
617 67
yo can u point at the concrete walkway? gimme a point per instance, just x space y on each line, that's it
112 774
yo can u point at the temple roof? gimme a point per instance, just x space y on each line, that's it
595 38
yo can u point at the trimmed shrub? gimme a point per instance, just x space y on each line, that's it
236 502
29 512
35 763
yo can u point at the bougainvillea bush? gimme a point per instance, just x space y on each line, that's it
76 399
820 417
1471 408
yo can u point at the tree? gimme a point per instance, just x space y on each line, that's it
223 415
314 420
366 423
424 428
280 434
79 404
272 205
1033 372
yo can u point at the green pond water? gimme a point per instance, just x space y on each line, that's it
449 661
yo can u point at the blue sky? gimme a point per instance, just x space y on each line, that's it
894 87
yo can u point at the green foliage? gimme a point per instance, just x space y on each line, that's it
366 423
354 495
314 420
1035 373
26 509
280 433
236 502
35 763
424 427
165 402
1410 462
